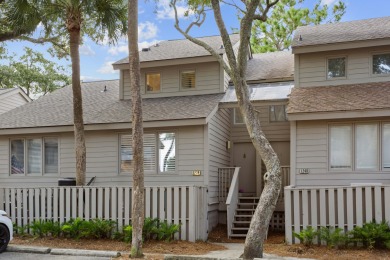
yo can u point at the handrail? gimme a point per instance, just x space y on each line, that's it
232 200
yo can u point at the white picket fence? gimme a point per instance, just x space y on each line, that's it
342 207
184 205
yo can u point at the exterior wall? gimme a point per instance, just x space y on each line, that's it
310 68
103 160
219 156
275 131
11 102
208 80
311 152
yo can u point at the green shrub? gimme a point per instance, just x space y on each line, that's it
333 237
166 231
150 228
127 233
372 235
100 228
75 228
306 236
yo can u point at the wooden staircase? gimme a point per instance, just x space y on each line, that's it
242 218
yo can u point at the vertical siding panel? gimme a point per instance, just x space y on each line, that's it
61 205
13 206
162 204
191 222
43 204
120 208
297 212
349 209
305 209
127 205
154 202
368 204
114 205
176 207
169 205
147 203
74 203
359 206
82 208
87 206
93 203
288 215
37 208
340 208
100 203
331 206
107 203
183 216
313 206
378 203
49 203
19 207
31 206
7 201
68 208
55 204
323 212
25 207
387 204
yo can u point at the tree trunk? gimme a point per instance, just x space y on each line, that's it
77 108
138 212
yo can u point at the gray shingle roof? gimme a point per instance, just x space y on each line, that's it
340 98
360 30
273 65
100 107
6 90
178 49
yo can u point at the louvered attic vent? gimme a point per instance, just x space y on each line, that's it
188 79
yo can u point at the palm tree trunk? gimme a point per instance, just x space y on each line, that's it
138 211
77 108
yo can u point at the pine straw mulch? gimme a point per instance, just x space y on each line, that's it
156 249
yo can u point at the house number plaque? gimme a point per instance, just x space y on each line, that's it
197 173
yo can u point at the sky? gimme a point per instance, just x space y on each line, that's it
156 23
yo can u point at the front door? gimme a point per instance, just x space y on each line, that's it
244 156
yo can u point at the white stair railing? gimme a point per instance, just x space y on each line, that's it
232 200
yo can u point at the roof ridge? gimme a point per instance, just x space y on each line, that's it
102 80
344 22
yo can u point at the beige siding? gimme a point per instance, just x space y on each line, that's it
312 67
207 80
11 102
219 156
102 160
275 131
312 154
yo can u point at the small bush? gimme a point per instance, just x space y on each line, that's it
150 229
166 231
307 236
333 237
372 235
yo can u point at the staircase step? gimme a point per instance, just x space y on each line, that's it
241 222
239 209
249 198
240 228
237 235
243 216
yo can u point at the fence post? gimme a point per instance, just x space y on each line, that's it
288 214
2 201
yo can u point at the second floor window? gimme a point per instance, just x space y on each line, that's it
188 79
336 68
153 82
381 64
277 113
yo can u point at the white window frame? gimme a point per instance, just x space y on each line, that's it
26 173
146 82
276 121
180 78
156 170
235 111
372 64
327 67
379 164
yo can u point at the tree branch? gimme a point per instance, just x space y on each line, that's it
198 23
264 11
53 40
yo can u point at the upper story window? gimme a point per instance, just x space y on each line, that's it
159 149
336 68
32 155
187 79
277 113
238 118
153 82
381 64
357 146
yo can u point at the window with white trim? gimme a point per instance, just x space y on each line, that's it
159 152
153 82
34 156
187 79
381 64
356 146
238 118
277 113
336 68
